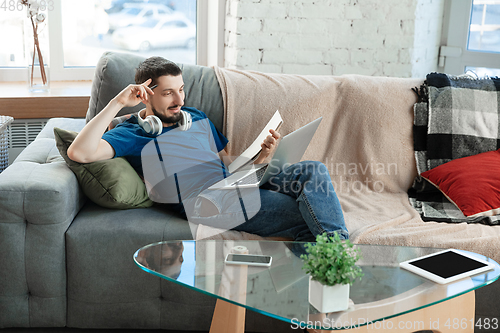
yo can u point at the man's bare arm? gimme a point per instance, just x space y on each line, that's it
268 146
225 157
89 146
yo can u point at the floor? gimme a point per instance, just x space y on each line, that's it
76 330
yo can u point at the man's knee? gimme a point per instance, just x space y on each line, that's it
314 168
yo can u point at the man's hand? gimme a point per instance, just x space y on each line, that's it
134 94
268 146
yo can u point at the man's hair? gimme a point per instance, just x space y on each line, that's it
153 68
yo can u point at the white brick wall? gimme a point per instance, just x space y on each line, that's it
428 26
371 37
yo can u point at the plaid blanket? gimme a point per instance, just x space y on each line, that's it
454 117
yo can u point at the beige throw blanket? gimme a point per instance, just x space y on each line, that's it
365 140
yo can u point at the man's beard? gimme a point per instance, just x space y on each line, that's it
166 119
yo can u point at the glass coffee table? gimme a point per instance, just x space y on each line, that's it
386 298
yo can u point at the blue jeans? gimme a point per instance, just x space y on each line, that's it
298 203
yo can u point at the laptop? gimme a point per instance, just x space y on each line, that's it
289 151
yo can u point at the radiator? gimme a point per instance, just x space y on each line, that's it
21 133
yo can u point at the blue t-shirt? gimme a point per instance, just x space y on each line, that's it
184 162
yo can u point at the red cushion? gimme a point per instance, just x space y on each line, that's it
471 183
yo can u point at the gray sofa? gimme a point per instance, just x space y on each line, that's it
67 262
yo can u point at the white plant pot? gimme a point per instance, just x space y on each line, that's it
328 298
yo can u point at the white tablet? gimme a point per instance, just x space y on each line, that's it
446 266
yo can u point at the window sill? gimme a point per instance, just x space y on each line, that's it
64 99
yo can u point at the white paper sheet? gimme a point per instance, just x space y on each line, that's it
254 149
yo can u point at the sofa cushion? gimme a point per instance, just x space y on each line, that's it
115 71
472 183
110 183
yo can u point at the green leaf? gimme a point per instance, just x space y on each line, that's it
331 260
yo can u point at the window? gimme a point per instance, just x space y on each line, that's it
12 20
484 32
473 38
80 31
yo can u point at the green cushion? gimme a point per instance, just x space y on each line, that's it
110 183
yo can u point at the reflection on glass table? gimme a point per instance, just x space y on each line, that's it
281 291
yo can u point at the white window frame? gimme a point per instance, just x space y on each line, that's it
455 55
210 43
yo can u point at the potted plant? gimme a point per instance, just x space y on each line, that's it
331 265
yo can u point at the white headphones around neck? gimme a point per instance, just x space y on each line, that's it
154 126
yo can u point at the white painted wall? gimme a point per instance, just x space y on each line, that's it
371 37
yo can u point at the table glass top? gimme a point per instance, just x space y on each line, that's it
281 290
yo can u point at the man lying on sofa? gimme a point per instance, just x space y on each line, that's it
287 208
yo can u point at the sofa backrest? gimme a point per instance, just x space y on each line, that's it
115 71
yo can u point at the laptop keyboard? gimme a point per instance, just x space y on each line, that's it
253 178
